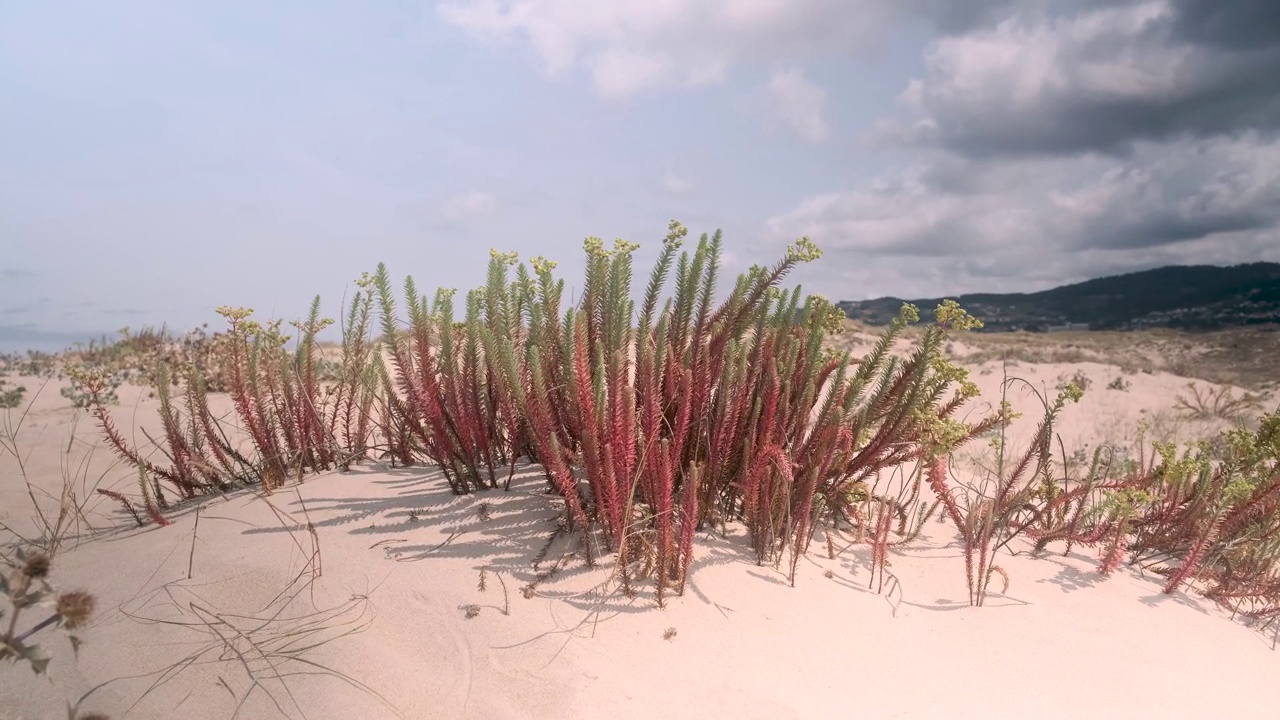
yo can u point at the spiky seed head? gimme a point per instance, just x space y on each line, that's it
75 607
37 566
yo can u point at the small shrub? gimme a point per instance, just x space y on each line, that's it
1222 404
1078 379
1120 383
10 397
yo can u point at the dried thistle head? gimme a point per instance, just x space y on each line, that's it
75 607
37 566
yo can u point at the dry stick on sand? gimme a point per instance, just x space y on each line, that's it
269 645
195 531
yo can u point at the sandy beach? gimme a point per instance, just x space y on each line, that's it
377 593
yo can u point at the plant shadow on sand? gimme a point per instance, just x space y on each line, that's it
516 533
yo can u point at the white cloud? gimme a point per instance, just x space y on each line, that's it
469 206
798 103
629 46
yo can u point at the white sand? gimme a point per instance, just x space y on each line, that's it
1063 643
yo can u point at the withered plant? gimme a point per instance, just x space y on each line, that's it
1221 404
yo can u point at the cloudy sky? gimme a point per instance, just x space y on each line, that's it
158 159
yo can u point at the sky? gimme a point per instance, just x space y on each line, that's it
159 159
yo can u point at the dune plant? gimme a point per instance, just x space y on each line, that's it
10 396
1007 499
710 410
1208 514
292 417
697 407
1221 403
447 397
351 397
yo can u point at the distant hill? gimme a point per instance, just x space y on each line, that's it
1195 297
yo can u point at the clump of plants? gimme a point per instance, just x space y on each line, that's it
1119 383
294 413
10 395
649 422
652 422
1079 379
1207 515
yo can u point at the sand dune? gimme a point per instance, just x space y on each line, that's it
238 606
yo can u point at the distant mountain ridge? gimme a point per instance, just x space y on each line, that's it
1187 297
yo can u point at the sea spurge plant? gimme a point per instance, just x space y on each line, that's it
1010 499
458 414
1208 514
281 403
729 409
706 403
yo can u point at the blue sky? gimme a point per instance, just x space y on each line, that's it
163 158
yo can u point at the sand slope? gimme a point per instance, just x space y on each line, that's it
385 605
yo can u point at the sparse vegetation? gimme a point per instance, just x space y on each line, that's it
10 396
651 423
1221 403
1079 380
1007 499
648 425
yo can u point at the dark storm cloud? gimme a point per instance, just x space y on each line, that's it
1228 23
1099 79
